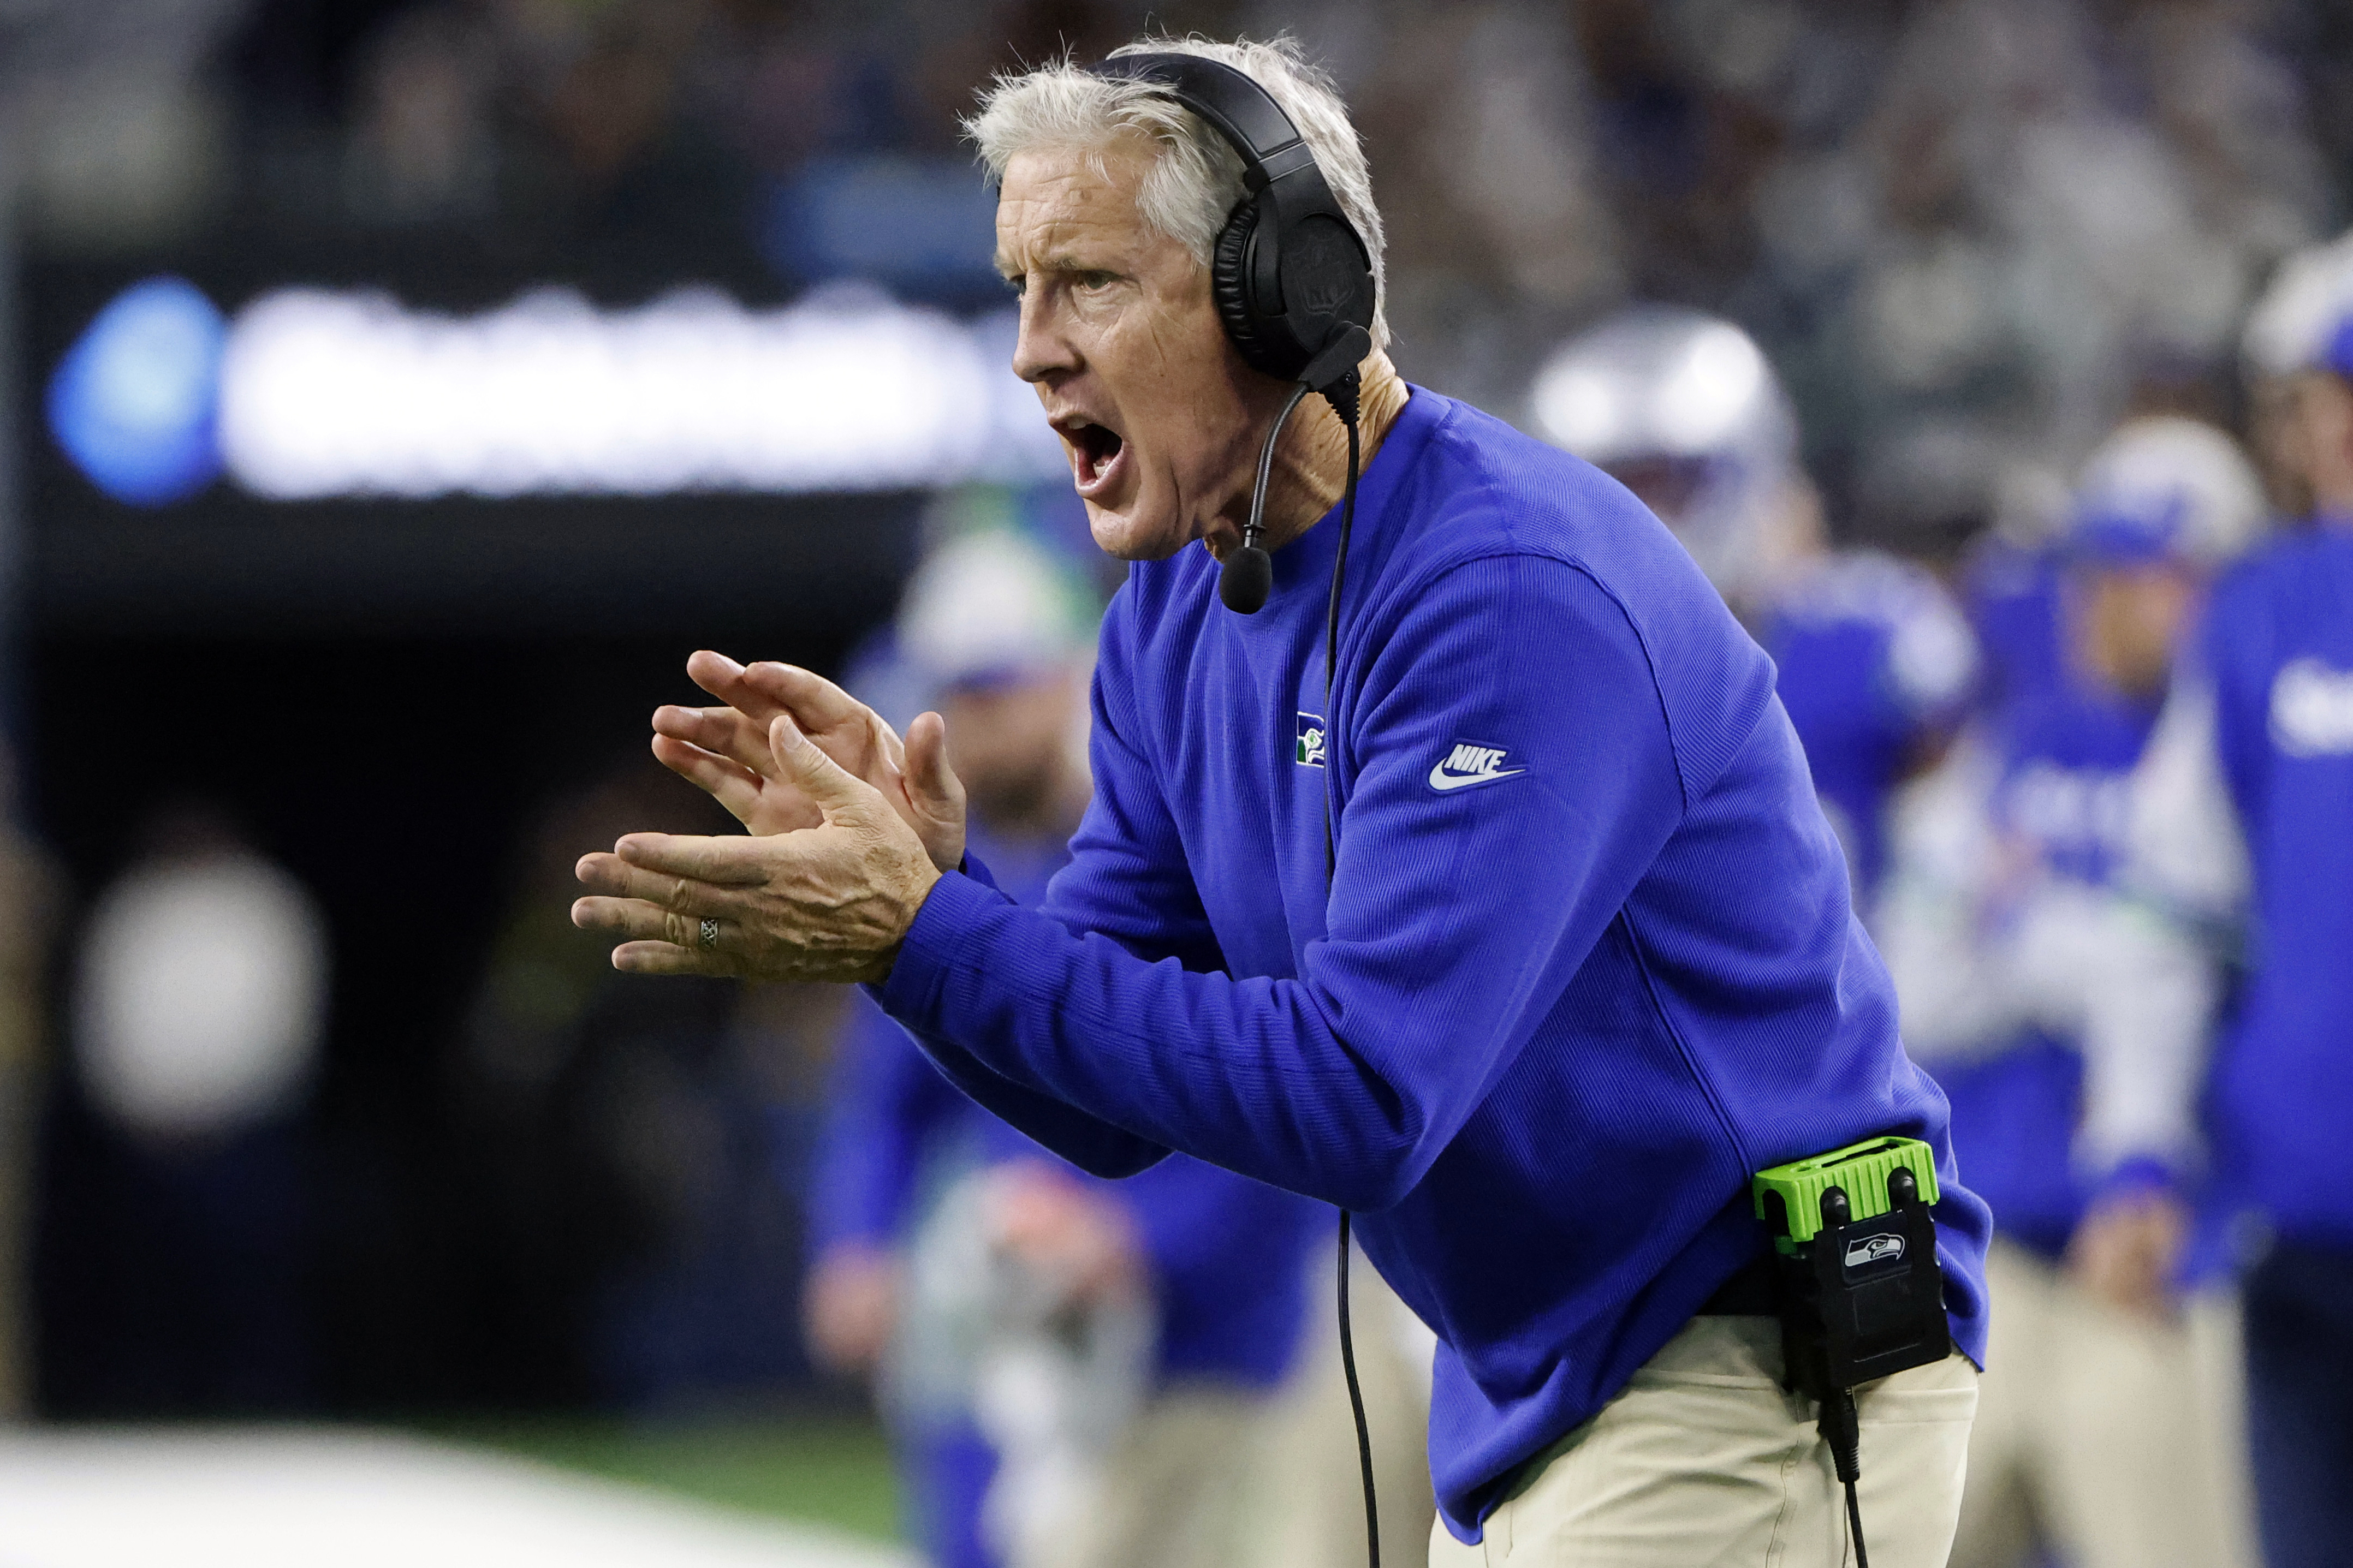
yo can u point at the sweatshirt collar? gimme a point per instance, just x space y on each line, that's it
1305 566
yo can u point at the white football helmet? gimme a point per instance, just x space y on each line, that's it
992 604
2168 488
2309 300
1684 408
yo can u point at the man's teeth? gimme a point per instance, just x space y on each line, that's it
1097 445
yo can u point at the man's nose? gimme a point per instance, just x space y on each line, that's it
1043 349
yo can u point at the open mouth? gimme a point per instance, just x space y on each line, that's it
1095 453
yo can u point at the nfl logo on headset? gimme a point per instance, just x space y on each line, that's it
1309 753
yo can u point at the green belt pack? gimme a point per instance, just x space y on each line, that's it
1862 1296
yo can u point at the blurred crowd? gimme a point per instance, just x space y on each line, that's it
1969 346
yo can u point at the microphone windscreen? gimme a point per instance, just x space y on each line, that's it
1246 579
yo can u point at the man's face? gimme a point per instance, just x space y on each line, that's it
1011 743
2129 619
2305 426
1157 412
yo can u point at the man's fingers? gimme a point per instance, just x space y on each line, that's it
847 730
731 785
814 701
636 919
656 940
725 732
724 679
612 877
668 958
687 880
931 785
642 927
803 762
732 861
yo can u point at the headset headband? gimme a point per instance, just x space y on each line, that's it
1292 277
1233 103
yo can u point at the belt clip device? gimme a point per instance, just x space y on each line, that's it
1860 1293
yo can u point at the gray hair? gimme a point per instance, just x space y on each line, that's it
1197 181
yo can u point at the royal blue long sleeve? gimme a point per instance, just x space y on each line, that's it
1346 1082
1585 961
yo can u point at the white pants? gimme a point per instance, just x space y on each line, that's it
2117 1440
1704 1461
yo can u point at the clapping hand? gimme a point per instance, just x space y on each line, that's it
726 751
850 829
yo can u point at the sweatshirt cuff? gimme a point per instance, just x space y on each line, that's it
918 974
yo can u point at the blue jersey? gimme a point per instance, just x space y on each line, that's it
1875 668
2012 599
1587 959
1224 1251
2279 649
2065 789
2062 795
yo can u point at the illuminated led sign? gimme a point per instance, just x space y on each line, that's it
326 393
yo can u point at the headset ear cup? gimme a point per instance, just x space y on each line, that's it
1229 283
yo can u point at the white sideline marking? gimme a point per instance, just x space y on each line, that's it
309 1497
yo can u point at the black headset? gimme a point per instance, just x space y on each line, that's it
1292 277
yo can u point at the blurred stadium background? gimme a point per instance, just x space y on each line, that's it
394 392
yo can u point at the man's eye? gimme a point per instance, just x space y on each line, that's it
1097 279
1019 285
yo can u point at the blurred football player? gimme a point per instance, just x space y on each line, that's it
1875 662
2243 817
1075 1370
199 1019
2067 1029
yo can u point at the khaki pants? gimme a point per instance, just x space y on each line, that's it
2117 1440
1172 1487
1308 1498
1704 1461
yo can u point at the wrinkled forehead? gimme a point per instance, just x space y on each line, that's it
1056 198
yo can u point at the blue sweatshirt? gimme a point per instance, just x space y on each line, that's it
1224 1253
2279 645
1587 962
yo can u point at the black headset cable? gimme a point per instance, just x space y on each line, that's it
1343 396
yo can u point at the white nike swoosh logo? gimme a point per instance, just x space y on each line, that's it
1440 779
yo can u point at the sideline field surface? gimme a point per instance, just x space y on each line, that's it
328 1497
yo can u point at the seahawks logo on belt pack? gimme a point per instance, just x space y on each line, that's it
1881 1248
1470 763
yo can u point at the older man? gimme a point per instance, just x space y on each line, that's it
1584 960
